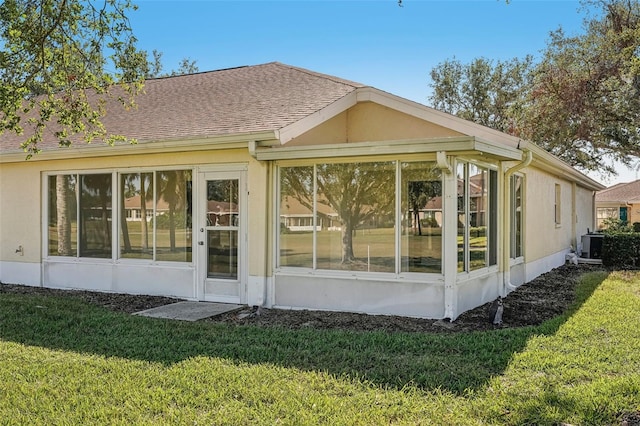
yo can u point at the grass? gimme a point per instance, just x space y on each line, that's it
375 245
66 362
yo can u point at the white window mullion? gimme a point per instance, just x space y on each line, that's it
155 217
315 216
115 216
78 216
398 219
467 219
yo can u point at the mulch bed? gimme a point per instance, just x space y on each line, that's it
544 298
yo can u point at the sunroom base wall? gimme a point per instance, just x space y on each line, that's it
152 280
478 290
411 299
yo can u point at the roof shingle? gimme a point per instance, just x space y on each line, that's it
624 193
232 101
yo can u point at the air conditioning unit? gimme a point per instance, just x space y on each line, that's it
592 246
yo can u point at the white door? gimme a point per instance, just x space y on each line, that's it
221 236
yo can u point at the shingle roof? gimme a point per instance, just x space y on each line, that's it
240 100
625 192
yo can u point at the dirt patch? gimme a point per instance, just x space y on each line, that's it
544 298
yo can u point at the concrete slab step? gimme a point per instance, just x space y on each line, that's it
189 311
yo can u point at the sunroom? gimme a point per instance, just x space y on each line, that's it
415 231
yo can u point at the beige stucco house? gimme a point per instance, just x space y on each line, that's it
620 201
278 186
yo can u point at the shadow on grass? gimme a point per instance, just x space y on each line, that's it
452 362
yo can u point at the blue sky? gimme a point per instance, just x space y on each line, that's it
375 43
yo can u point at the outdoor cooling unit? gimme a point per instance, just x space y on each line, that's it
592 246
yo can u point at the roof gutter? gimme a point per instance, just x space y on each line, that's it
84 150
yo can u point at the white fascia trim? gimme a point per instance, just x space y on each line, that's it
552 164
84 150
451 145
296 129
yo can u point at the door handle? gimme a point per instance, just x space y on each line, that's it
200 243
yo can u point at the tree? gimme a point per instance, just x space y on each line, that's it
173 188
420 192
59 60
482 91
355 192
584 104
581 102
63 215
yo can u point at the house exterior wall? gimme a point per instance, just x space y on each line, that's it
22 225
634 213
544 236
368 121
633 209
433 295
547 242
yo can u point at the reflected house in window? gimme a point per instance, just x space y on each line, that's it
222 213
430 214
275 186
296 217
133 209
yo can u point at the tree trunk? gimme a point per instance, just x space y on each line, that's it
416 217
144 226
62 216
126 241
172 227
347 242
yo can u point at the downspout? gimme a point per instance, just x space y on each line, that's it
506 230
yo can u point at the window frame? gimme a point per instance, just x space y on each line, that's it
491 216
116 215
516 242
558 205
398 215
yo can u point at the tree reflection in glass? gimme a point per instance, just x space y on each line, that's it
421 206
63 216
95 215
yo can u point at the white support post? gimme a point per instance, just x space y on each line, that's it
450 245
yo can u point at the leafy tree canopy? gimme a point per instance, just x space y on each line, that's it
59 59
581 101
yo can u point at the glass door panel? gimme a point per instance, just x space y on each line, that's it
222 227
222 261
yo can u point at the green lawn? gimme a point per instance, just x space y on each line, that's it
375 249
66 362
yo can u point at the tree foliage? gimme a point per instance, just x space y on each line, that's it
356 192
155 66
486 92
59 60
581 101
584 104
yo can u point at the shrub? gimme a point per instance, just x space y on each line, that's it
614 225
621 250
